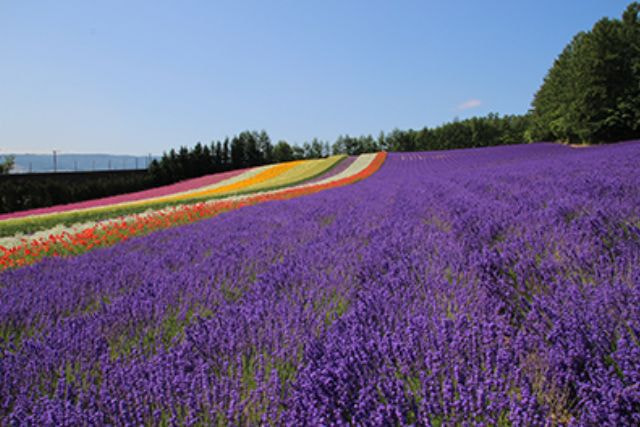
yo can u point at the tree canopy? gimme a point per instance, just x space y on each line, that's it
592 91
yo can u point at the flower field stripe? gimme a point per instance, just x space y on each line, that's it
265 173
257 179
165 196
179 187
245 175
301 172
360 164
263 180
110 232
238 181
335 170
352 169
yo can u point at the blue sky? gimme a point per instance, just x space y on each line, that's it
142 77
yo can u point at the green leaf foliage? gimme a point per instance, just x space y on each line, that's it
591 94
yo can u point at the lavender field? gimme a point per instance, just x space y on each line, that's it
472 287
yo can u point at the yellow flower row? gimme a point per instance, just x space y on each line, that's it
231 188
302 171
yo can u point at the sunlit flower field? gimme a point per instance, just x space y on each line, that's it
493 286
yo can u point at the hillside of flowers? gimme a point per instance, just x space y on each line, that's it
493 286
217 185
256 185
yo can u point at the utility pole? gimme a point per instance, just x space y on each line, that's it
55 161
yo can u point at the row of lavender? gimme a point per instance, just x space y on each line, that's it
490 286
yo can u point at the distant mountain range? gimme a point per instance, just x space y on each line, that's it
77 162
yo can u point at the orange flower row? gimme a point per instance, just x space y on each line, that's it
111 232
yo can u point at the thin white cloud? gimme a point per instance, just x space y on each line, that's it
472 103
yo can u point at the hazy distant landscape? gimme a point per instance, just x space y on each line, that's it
25 163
